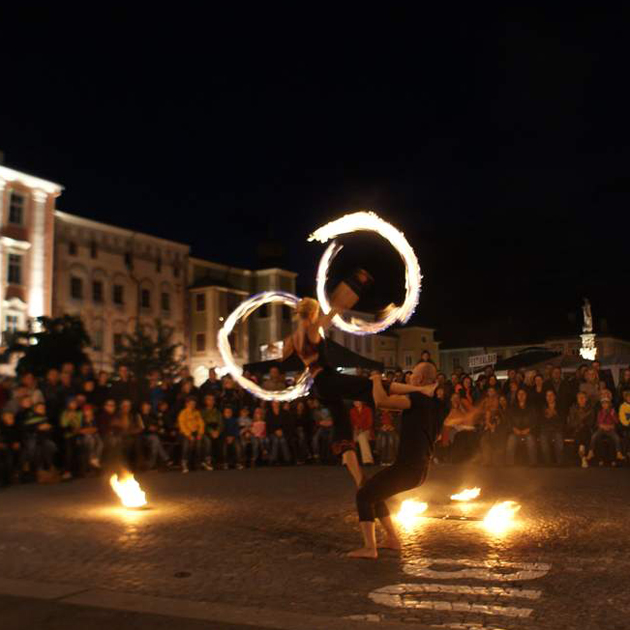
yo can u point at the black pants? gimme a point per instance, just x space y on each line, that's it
333 388
385 484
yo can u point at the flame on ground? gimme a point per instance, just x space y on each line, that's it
468 494
409 512
500 518
129 491
368 222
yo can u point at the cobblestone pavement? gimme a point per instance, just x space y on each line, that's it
274 538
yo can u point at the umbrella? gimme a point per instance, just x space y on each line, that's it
526 358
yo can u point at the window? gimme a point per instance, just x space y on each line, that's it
72 248
200 302
357 344
145 298
118 294
286 313
200 342
14 275
97 339
93 250
11 323
97 291
166 302
263 311
118 342
16 208
76 288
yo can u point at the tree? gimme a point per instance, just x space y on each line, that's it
143 354
57 340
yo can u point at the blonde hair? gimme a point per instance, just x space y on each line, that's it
306 307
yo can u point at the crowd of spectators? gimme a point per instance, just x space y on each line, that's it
74 422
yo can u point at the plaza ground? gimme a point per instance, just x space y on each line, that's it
265 548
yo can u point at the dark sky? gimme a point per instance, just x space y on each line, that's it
498 143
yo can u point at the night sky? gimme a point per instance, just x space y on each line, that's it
498 143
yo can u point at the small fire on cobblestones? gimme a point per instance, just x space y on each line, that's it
468 494
409 512
129 491
500 518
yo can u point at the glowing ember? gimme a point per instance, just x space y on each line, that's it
466 495
243 310
129 491
409 512
501 517
368 222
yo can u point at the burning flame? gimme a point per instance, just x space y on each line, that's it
467 494
129 491
501 517
409 512
368 222
242 311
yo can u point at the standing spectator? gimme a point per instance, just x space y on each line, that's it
211 386
322 440
522 423
551 429
51 388
362 422
92 442
70 423
511 378
590 386
229 397
277 438
562 390
101 390
304 431
387 439
466 393
191 429
259 436
492 436
244 431
603 375
10 448
232 440
536 397
153 431
123 388
39 447
107 430
275 382
185 391
606 428
512 393
581 424
213 436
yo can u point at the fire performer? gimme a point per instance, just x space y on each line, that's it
421 427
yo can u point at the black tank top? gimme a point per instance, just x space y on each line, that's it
309 349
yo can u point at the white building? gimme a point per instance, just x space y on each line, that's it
27 206
114 278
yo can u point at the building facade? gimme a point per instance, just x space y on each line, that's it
115 279
215 291
27 206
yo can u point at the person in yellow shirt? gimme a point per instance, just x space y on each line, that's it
624 420
191 429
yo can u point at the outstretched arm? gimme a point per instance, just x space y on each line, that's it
403 388
383 400
287 348
467 419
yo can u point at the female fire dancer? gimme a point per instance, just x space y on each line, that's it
333 387
421 427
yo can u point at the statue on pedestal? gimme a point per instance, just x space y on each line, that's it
588 317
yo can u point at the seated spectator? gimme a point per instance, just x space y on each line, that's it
387 438
259 440
551 428
304 431
191 429
106 427
244 430
362 423
92 442
607 422
153 431
39 446
232 442
70 424
493 431
624 420
213 435
10 448
522 424
277 435
581 424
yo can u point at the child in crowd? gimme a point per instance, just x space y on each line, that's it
70 422
259 436
92 442
10 448
191 429
232 441
213 421
624 420
607 422
244 430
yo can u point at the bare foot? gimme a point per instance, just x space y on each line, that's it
364 552
391 543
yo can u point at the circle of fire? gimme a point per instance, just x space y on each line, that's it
242 311
368 222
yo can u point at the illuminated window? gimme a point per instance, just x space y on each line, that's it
14 271
11 323
16 208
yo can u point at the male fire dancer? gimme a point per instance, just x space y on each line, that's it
421 426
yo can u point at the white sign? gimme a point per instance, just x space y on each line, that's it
481 360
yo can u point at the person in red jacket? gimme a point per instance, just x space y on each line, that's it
362 421
607 422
